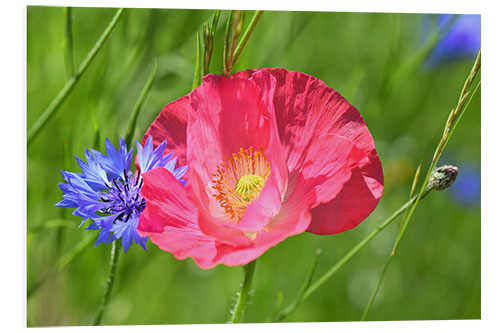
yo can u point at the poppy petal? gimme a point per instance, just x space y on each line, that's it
294 218
171 125
307 109
227 115
358 198
169 218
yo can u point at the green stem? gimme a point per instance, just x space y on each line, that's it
301 294
115 254
68 43
288 310
453 120
379 282
237 312
63 94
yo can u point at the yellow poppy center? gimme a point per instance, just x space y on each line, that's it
239 179
248 187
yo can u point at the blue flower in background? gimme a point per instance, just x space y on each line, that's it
108 193
462 40
467 187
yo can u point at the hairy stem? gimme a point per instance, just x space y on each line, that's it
113 263
239 308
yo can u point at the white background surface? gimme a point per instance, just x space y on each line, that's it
13 162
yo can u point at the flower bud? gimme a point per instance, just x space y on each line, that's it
442 177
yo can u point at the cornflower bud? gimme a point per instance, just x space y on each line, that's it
442 177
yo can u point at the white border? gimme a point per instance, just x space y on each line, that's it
421 6
13 92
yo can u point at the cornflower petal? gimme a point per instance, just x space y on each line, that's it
116 160
149 158
179 172
461 41
93 174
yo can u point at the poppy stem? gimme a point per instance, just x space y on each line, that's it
239 307
115 254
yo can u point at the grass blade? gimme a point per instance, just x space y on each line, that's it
74 252
68 42
50 224
300 295
377 287
451 123
62 263
276 308
197 68
63 94
348 256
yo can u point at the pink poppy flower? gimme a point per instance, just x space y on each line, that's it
271 153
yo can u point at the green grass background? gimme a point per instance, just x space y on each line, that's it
436 272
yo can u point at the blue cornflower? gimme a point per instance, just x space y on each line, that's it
462 40
108 193
467 187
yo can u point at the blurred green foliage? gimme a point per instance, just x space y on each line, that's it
436 273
